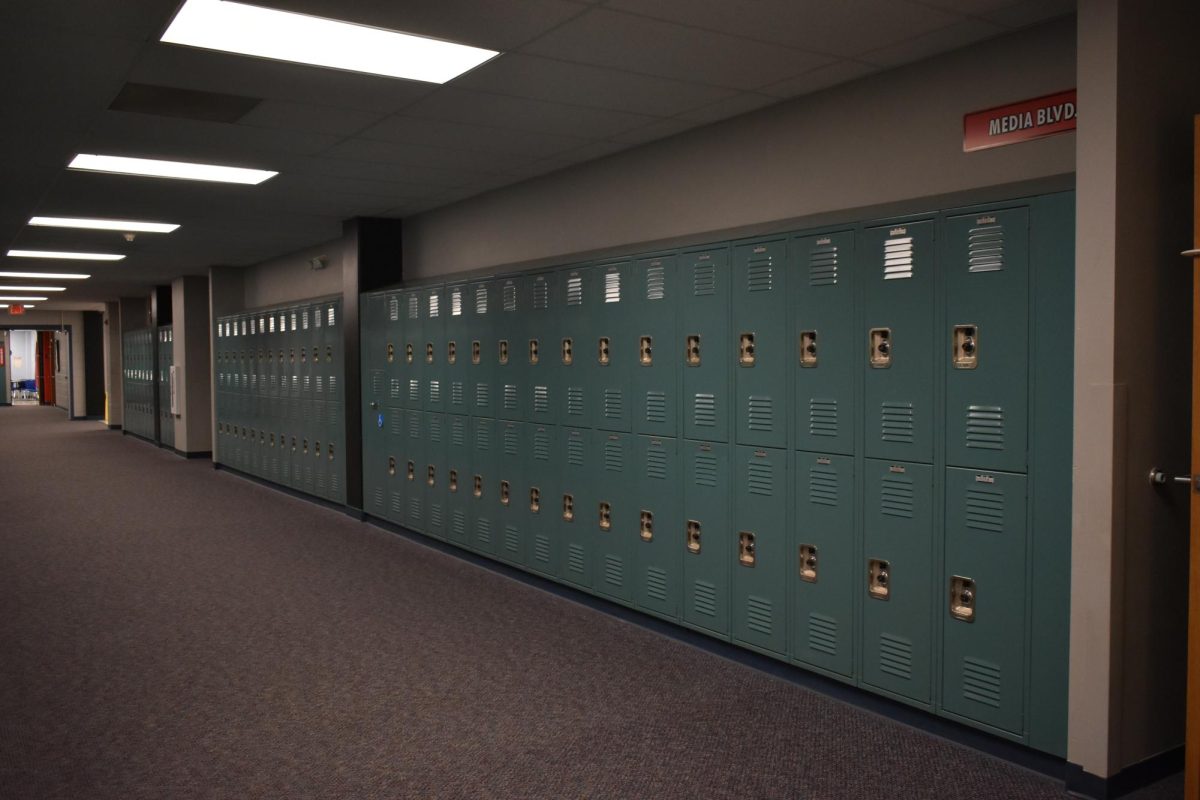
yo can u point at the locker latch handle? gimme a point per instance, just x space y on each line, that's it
391 465
451 352
478 488
303 355
693 536
408 353
881 348
962 598
504 351
535 500
808 349
329 451
879 579
568 355
504 493
966 346
429 352
533 351
328 354
747 556
430 475
605 516
391 352
568 508
746 356
808 563
647 526
475 349
691 353
603 351
411 473
453 480
305 442
646 351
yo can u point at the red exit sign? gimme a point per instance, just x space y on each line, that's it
16 309
1020 122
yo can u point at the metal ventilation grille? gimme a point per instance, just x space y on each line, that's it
614 571
760 615
656 406
481 300
575 451
458 433
760 478
541 294
575 401
760 413
656 584
823 417
541 399
822 634
414 309
435 427
656 282
612 287
512 539
541 549
705 469
614 403
397 504
896 422
397 426
435 305
985 510
704 598
414 509
414 426
458 523
377 500
575 559
483 395
509 294
541 445
704 410
898 258
575 290
414 391
704 279
760 274
823 486
656 463
985 427
614 457
483 530
456 302
435 391
823 266
435 515
985 249
981 681
896 497
483 438
895 656
511 441
510 397
456 393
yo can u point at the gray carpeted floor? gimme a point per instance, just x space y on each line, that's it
169 631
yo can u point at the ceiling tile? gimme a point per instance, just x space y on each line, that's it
133 20
654 131
436 133
740 104
463 162
953 37
589 152
1020 15
581 84
309 118
821 78
639 44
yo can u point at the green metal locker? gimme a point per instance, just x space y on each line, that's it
391 345
759 553
658 554
456 354
541 352
510 356
577 515
896 266
541 499
433 348
166 346
374 399
984 601
481 350
824 572
398 456
762 343
658 359
707 536
986 271
827 348
613 514
412 365
508 489
613 346
485 485
897 612
432 478
458 478
414 470
574 348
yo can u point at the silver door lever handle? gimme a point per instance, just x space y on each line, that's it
1159 478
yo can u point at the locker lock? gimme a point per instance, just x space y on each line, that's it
533 351
305 444
646 351
453 479
451 352
693 536
272 440
504 493
962 598
292 356
746 350
430 475
568 508
746 549
879 579
293 444
881 348
605 516
429 352
411 472
966 346
478 488
328 354
647 526
281 356
535 500
568 355
408 353
504 351
303 355
329 451
475 350
603 353
808 563
391 352
808 349
691 353
391 465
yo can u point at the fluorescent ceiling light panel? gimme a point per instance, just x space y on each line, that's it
27 305
123 225
67 256
183 170
33 288
286 36
15 299
50 276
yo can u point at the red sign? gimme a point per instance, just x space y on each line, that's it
1020 122
16 308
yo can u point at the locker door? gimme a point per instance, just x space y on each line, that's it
576 512
335 373
984 599
759 553
827 354
398 486
433 348
658 555
614 515
897 635
414 468
485 484
896 264
657 358
613 347
458 480
510 355
541 499
374 398
824 563
574 350
454 355
541 352
987 319
433 475
390 347
705 538
513 545
762 343
481 349
413 364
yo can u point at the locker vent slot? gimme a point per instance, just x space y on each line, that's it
510 297
760 414
541 445
483 438
704 411
541 399
456 393
397 427
575 290
393 309
458 523
822 417
895 656
614 571
704 598
759 615
482 395
397 506
414 426
414 309
575 451
823 266
458 434
414 391
761 479
981 681
656 584
512 539
656 464
614 403
898 258
435 391
760 274
822 634
575 401
483 530
705 469
614 456
541 549
510 441
541 294
823 486
456 304
896 422
510 397
896 497
434 305
435 428
985 427
414 510
704 280
394 392
985 249
656 282
575 561
656 406
481 300
985 510
435 515
378 499
612 287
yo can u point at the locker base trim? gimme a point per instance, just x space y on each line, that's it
1081 783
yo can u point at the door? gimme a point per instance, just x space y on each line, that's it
1192 769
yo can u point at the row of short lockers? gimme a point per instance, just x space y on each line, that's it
279 377
860 402
166 358
138 381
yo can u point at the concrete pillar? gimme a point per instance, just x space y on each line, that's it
193 367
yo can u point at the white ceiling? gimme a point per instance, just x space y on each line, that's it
578 80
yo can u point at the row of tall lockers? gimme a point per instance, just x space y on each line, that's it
166 357
138 367
279 396
816 445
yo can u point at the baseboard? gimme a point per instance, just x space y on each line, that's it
139 437
1082 783
193 454
113 427
312 498
89 418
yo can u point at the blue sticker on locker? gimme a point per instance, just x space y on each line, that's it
379 420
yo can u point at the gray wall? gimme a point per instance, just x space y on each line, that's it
891 137
78 383
290 278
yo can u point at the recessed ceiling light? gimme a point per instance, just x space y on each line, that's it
15 299
5 305
50 276
156 168
33 288
286 36
104 224
67 256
